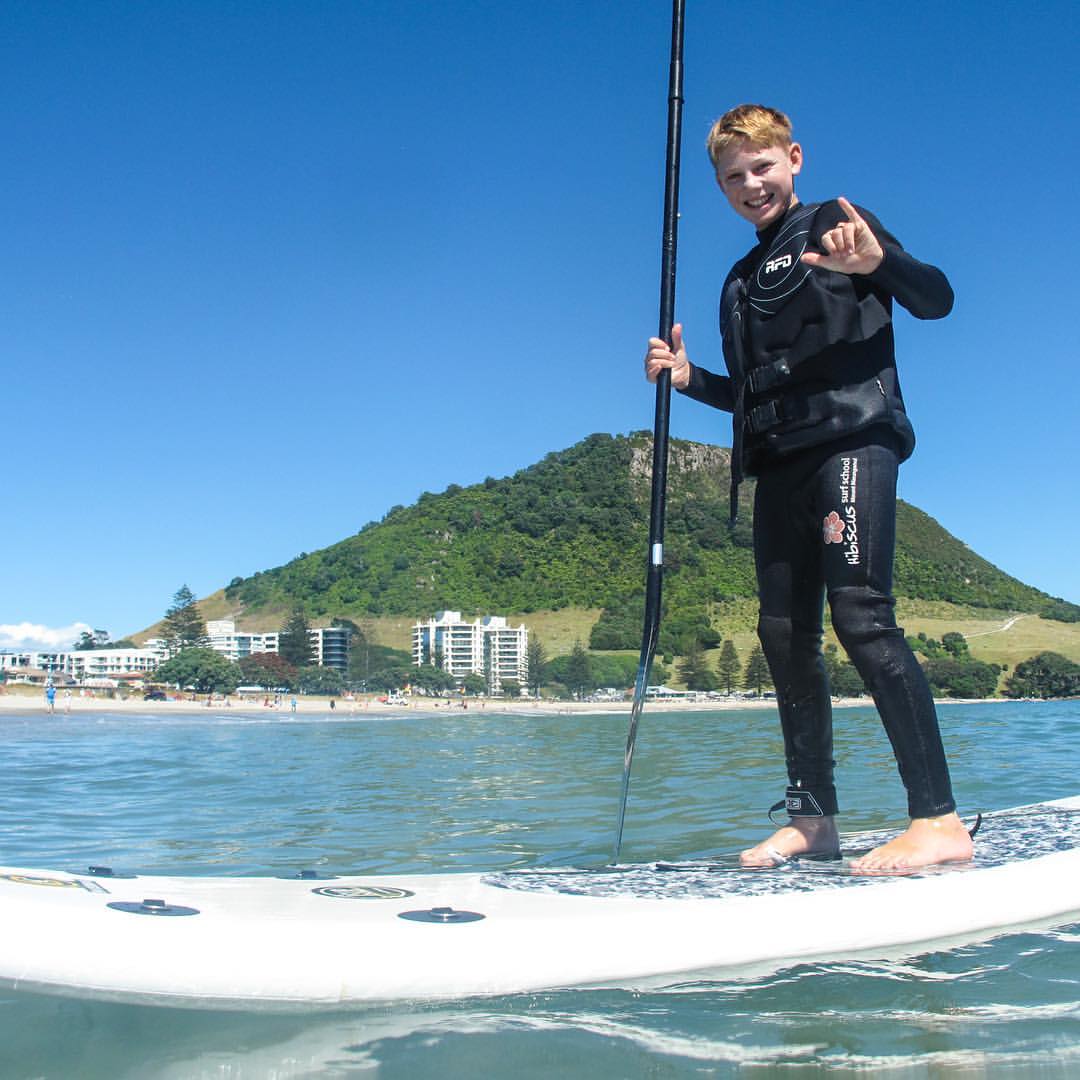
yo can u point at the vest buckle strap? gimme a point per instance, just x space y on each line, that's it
768 375
763 417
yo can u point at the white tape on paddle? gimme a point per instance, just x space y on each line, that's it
658 554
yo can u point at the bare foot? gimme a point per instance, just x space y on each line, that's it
927 842
800 836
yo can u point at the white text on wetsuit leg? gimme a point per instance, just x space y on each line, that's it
849 485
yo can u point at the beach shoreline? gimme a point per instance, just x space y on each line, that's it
18 701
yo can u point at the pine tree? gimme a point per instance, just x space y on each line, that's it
695 670
757 671
727 667
184 626
578 671
294 640
538 663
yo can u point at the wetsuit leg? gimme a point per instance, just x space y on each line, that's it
791 590
856 489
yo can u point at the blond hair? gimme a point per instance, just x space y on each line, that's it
759 125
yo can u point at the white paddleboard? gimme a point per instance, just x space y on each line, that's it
270 943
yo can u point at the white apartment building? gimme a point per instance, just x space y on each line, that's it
329 647
329 644
109 663
225 640
32 666
79 665
487 647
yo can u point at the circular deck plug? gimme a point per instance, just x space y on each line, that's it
152 907
441 915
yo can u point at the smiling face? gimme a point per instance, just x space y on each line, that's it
759 182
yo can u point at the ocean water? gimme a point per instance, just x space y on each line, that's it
480 790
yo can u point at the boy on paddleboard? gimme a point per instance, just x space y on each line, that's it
806 320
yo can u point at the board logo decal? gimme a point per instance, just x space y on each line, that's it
53 883
362 892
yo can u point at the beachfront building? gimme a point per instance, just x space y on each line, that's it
32 666
121 664
487 646
84 666
329 644
225 639
112 667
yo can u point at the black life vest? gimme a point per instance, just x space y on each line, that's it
810 351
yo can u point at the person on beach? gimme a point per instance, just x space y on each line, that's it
50 698
819 420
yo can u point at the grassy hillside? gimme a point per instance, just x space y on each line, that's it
561 545
998 637
571 531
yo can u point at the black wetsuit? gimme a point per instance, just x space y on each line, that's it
820 420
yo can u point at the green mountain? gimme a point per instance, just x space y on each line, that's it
572 531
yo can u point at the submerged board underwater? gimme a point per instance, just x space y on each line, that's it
306 943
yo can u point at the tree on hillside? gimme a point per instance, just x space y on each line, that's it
85 642
958 677
184 626
294 640
757 671
617 671
695 670
1047 675
727 667
538 664
955 644
928 646
201 669
577 676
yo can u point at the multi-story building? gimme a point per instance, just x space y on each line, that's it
487 647
329 644
225 639
109 663
31 666
329 648
79 664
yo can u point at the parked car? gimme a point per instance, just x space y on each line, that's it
155 695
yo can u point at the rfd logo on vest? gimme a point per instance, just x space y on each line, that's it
781 263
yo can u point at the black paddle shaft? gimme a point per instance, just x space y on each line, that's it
655 573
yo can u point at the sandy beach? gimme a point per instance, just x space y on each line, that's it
24 700
17 699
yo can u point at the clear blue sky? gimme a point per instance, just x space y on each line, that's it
270 269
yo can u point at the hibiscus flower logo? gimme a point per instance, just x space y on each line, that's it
833 528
